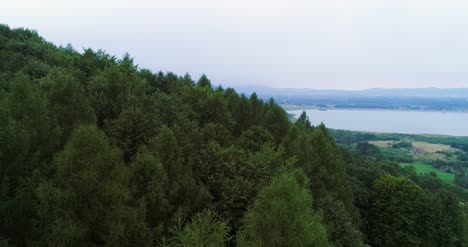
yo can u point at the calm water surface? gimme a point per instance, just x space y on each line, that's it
407 122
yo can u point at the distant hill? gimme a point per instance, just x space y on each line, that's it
372 92
452 99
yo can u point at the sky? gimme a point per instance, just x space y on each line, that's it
321 44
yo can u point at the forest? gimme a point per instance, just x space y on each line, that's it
95 151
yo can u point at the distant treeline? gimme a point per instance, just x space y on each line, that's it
383 102
349 137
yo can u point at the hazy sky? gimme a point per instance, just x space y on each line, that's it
347 44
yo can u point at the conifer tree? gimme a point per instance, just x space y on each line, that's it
204 82
88 201
282 216
206 229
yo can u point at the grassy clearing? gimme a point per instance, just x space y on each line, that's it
382 144
423 168
432 147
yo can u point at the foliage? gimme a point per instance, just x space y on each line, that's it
282 216
90 176
399 213
402 144
206 229
341 229
367 149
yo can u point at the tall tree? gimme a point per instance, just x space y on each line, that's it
283 216
67 102
149 185
185 194
400 215
303 121
75 205
320 158
206 229
341 229
276 121
204 82
447 220
28 135
111 90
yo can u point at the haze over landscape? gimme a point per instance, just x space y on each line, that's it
331 44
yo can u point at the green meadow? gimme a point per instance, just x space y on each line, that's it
423 168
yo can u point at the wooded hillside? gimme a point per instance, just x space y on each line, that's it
95 151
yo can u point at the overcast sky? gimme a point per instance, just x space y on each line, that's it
347 44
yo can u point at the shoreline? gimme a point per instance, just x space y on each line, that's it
294 113
289 108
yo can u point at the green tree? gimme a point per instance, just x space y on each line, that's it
208 106
276 121
400 215
149 185
185 194
320 158
341 229
254 138
464 214
134 127
67 102
206 229
204 82
27 134
88 201
111 90
258 109
446 220
303 121
233 177
367 149
218 133
241 111
282 216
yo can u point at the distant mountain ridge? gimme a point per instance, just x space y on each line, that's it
451 99
430 92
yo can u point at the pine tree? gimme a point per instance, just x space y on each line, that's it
320 158
206 229
341 229
184 194
67 102
90 177
282 216
276 121
149 185
204 82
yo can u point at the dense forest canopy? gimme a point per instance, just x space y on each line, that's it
95 151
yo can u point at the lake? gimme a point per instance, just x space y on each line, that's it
406 122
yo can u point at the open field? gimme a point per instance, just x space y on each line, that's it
427 153
382 144
347 137
432 147
423 168
424 146
422 154
432 151
423 151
